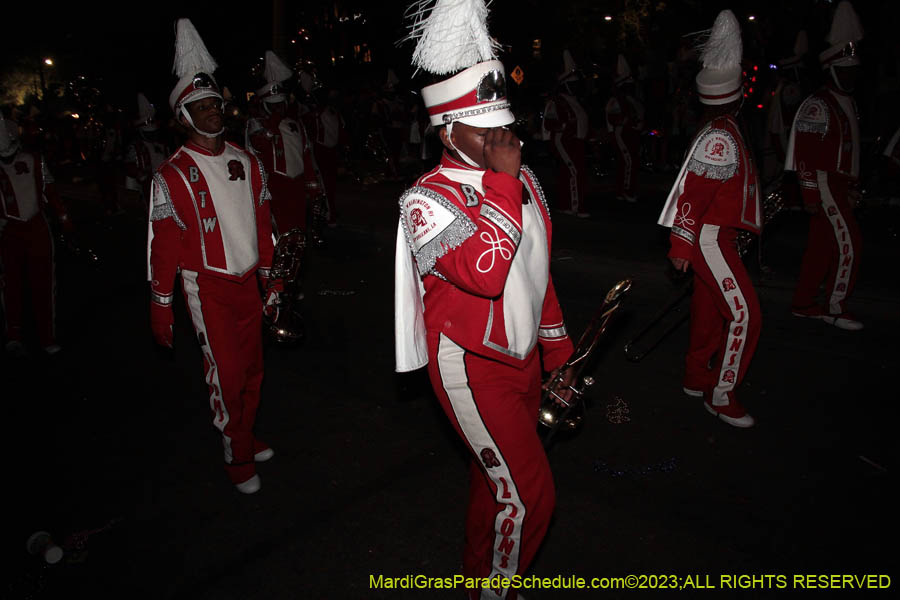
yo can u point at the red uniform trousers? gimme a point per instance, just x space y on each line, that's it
227 317
327 160
725 316
26 251
493 407
832 252
569 152
288 202
628 142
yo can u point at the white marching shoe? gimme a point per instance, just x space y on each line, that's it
251 486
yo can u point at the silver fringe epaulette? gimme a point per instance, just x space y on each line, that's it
700 167
451 236
164 209
813 117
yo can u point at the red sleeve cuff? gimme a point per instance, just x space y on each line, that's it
680 248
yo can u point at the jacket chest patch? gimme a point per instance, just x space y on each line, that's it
470 194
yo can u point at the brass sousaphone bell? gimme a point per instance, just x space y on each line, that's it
287 259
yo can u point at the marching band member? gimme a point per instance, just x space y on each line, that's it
717 193
824 150
330 135
26 242
625 121
567 123
474 297
210 221
146 152
281 144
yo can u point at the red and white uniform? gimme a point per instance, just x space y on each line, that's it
481 245
330 133
625 121
142 158
281 144
26 246
210 221
824 150
716 193
567 122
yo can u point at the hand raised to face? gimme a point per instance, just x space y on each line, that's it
502 151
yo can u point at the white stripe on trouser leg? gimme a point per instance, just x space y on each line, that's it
573 173
844 241
728 286
626 161
508 524
216 402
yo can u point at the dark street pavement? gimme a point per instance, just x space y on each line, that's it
111 447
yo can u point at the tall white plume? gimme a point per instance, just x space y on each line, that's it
276 70
191 55
450 35
568 62
845 26
306 82
145 109
622 67
723 48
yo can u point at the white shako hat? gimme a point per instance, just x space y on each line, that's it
452 37
623 71
846 32
145 115
193 66
801 47
276 73
721 79
9 137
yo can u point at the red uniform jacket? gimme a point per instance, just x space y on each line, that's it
564 114
282 145
23 187
210 214
481 242
718 185
824 145
624 111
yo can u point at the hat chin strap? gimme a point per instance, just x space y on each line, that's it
187 115
461 154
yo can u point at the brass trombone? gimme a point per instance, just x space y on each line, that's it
633 351
557 412
772 205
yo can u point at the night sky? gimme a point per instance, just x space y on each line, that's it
131 50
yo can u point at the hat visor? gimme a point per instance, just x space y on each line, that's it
844 61
495 118
200 95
